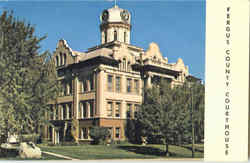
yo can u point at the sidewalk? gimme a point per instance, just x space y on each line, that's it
58 155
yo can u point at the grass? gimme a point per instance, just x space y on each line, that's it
44 157
124 151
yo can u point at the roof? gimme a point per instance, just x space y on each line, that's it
105 52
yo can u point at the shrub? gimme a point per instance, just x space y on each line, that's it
99 134
36 138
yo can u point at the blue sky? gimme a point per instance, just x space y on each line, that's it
177 26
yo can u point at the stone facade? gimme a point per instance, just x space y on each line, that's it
103 86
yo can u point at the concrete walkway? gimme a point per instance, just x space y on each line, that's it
58 155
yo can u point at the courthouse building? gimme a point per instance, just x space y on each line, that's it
103 86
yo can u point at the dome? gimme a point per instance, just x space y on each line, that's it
114 15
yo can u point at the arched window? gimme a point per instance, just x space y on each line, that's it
115 35
57 61
64 59
61 59
125 37
129 66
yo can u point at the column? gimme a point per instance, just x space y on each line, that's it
94 108
123 110
88 109
123 84
149 84
67 111
100 92
122 132
113 84
53 135
59 112
75 97
94 81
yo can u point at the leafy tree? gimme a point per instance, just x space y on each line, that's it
28 77
166 112
99 134
133 131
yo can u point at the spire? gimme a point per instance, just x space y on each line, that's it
116 6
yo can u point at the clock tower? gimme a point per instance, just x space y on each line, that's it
115 25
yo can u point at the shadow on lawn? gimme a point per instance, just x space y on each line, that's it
196 148
143 150
146 150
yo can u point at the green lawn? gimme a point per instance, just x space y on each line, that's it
124 151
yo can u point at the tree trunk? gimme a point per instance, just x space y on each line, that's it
193 141
167 152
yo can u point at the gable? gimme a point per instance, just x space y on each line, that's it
63 55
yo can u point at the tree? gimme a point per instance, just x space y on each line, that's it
28 78
166 112
99 134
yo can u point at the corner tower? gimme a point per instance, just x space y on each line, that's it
115 25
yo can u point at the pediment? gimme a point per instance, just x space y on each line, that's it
122 52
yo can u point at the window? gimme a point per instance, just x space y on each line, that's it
61 59
115 35
57 61
64 111
64 59
109 109
129 108
82 110
70 88
70 111
117 109
120 65
56 114
51 114
137 86
117 132
129 83
105 36
110 82
64 89
91 109
124 64
91 82
82 86
85 85
129 66
125 36
118 84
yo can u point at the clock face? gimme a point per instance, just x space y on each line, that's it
125 15
105 15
